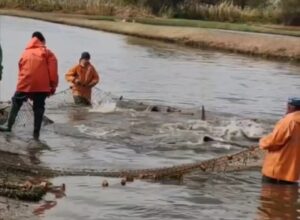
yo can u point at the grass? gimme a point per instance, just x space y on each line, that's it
225 11
251 27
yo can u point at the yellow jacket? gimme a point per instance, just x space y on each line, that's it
82 79
282 160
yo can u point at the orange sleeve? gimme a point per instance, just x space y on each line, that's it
95 78
22 61
71 75
278 138
53 69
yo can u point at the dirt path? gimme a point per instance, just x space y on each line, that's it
264 45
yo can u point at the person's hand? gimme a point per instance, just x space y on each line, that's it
52 91
77 82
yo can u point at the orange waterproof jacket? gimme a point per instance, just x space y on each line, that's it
82 79
282 160
37 69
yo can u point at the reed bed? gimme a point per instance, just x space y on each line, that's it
190 9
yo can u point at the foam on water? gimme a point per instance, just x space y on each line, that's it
104 107
95 132
236 127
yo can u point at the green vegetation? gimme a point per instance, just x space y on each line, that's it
221 25
237 11
246 27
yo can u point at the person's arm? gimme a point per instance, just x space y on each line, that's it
53 71
278 138
71 75
95 77
1 67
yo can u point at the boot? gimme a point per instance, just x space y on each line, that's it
11 119
38 120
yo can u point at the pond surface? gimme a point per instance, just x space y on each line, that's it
237 89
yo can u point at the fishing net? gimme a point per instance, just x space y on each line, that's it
65 99
62 100
25 116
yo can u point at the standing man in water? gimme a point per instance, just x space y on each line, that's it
282 161
38 79
83 77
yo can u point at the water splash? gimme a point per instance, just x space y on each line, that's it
104 107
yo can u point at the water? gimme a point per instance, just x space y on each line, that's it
107 137
142 69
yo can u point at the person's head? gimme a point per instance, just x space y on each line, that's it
85 59
293 105
39 36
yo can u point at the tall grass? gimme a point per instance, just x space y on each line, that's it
220 10
226 11
102 7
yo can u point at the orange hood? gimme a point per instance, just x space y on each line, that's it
35 43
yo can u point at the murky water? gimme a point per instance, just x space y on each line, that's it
105 138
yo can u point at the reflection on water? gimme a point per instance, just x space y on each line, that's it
279 202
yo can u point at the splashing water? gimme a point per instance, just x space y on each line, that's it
104 107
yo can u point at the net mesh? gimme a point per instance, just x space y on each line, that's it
60 100
64 99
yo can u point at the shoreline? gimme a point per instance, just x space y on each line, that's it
286 48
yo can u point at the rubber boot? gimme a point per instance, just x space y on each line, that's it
38 120
11 119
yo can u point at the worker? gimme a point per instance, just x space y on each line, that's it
282 161
83 77
38 79
1 67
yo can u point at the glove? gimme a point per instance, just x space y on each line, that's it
52 91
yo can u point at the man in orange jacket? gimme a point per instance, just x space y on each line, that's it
282 161
38 79
83 77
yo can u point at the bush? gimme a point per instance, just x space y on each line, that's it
290 11
286 11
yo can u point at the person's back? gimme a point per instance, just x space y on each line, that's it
37 69
282 162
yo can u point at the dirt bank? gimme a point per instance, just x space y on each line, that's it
11 209
16 202
264 45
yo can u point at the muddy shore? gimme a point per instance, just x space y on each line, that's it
15 153
11 209
255 44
